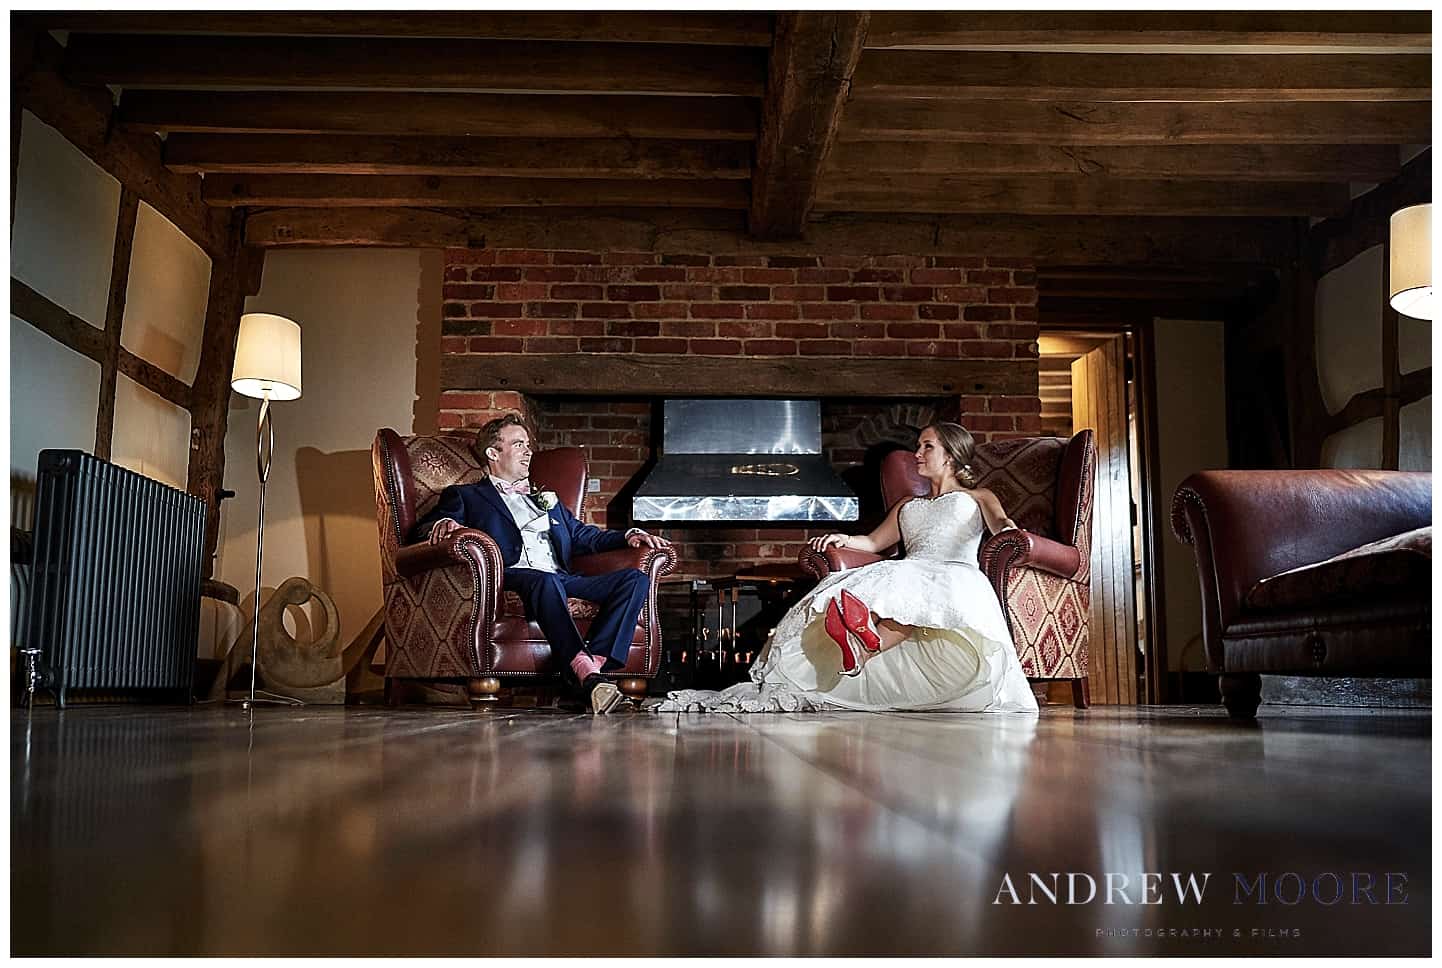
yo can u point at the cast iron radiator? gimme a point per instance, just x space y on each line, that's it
114 602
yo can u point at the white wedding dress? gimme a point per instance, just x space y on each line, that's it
960 658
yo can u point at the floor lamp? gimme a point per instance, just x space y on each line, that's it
1409 287
267 367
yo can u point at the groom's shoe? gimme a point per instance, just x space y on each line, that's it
857 617
604 695
844 638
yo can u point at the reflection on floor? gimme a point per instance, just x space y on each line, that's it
420 831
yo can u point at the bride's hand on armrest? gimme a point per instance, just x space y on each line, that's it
820 544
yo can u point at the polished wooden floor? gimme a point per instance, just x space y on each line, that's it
428 831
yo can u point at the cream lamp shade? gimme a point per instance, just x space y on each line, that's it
267 357
1410 288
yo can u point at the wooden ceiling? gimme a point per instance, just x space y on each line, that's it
779 119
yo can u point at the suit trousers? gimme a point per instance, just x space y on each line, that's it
620 595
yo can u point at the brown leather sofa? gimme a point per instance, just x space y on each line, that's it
1042 572
1274 597
446 616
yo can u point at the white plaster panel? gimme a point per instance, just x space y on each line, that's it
1414 444
165 296
152 435
54 398
1358 446
1349 328
62 243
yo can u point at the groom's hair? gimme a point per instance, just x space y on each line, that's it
490 433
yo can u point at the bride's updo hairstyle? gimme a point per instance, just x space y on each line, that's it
959 445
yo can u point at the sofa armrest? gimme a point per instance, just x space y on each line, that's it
1015 548
821 564
459 547
653 561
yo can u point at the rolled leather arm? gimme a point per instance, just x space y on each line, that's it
662 560
834 559
459 547
1015 547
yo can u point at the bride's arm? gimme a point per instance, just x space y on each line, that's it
886 534
992 511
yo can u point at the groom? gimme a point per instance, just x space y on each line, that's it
536 546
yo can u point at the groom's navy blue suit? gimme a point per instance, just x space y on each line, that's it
619 594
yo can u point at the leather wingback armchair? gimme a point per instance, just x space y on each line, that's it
446 615
1041 573
1273 602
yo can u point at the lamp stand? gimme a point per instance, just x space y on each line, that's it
264 447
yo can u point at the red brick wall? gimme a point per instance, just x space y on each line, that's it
560 301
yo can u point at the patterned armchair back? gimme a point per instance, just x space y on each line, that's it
411 472
1041 481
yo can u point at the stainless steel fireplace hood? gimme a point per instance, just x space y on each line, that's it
742 460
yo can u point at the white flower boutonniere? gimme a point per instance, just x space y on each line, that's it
546 500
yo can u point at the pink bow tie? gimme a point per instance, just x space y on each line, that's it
519 487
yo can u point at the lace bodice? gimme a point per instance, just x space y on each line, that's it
947 528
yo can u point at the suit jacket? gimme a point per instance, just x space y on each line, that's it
481 507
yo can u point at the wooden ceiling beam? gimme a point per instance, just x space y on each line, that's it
1144 77
967 194
448 115
1334 29
446 191
1152 123
418 155
1050 240
1247 163
812 62
158 60
740 29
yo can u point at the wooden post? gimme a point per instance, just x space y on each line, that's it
114 316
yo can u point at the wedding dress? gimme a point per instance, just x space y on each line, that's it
961 656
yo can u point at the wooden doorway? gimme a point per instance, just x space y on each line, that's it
1086 382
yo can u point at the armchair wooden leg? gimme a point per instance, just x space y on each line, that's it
483 690
1081 693
633 688
393 691
1241 694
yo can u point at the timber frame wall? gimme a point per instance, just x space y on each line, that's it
84 117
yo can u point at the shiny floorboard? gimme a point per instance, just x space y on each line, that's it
431 831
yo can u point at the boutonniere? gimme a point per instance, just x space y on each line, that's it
546 500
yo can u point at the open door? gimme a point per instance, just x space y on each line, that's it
1099 401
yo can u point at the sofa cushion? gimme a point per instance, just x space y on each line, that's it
1392 564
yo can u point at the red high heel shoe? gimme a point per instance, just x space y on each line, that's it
844 638
858 619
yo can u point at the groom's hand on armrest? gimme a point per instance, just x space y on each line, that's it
637 538
442 529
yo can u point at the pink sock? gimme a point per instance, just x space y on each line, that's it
585 665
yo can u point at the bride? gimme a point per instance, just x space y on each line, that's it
921 632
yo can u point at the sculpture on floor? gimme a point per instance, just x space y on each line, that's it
294 668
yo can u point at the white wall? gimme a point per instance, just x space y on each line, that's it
358 310
1192 436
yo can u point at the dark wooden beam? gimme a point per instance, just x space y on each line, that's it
72 331
85 117
1371 404
1237 163
587 373
451 115
1051 240
1096 310
812 61
1363 30
157 60
60 325
1366 223
114 318
496 157
740 28
1144 77
1099 123
446 191
231 280
1081 196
